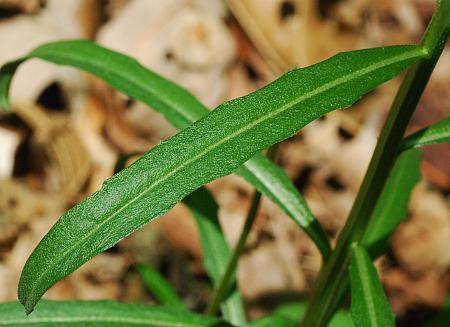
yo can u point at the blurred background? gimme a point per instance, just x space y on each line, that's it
70 131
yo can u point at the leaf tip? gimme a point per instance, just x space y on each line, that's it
5 108
354 247
28 301
28 311
28 304
29 307
4 102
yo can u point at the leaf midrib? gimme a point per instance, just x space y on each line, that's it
323 88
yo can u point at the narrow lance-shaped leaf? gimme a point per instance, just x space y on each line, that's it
215 250
159 286
434 134
369 306
273 182
210 148
392 207
178 106
101 314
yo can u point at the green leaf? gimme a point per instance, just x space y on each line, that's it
178 106
369 305
434 134
159 286
210 148
442 318
101 314
444 7
216 252
291 314
274 320
273 182
392 206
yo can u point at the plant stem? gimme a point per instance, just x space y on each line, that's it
228 277
332 283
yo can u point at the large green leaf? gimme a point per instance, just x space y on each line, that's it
391 208
369 306
101 314
210 148
434 134
181 109
178 106
215 250
159 286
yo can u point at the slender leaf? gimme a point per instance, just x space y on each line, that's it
159 286
434 134
216 252
273 182
210 148
178 106
181 109
391 208
291 314
101 314
369 305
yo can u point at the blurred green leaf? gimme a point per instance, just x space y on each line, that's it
216 252
291 314
392 206
442 319
101 314
434 134
369 305
274 320
211 148
159 286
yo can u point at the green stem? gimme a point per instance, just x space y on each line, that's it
228 277
332 283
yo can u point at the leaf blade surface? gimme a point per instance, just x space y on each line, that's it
178 106
101 314
212 147
369 306
215 250
434 134
159 286
392 206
